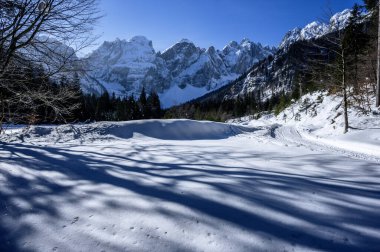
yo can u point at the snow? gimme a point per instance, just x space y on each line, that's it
181 185
176 95
317 120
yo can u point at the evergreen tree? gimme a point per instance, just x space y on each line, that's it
154 105
77 99
144 113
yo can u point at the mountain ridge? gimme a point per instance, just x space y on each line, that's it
124 67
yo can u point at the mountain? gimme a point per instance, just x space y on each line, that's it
180 73
55 57
266 81
276 74
316 29
120 66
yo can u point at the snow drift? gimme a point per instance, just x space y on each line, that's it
101 131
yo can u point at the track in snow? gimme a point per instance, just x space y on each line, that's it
290 136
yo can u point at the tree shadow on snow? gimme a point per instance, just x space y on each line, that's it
253 185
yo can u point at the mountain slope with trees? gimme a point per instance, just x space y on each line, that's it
342 61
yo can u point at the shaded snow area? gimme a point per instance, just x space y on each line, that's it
182 185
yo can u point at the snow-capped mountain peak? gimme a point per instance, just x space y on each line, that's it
180 44
232 44
141 40
235 54
188 41
340 20
316 29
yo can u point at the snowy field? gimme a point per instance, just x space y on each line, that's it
181 185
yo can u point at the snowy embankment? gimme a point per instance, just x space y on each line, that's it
114 131
316 121
181 185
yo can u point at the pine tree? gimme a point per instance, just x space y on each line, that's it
154 105
143 104
77 99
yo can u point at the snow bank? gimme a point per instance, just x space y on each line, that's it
103 131
318 118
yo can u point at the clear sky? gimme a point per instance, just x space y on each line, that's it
210 22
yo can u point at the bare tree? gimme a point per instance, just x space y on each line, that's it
334 63
43 34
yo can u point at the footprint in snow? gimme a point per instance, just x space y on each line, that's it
75 220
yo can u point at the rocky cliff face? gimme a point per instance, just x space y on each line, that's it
124 67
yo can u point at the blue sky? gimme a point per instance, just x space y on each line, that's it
210 22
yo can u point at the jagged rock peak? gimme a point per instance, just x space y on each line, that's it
340 19
316 29
186 41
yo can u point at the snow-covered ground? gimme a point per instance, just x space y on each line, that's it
182 185
316 121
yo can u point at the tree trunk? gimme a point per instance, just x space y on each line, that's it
2 116
378 64
345 109
345 102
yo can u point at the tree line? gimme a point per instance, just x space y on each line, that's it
108 107
83 107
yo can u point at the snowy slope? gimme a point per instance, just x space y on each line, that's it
124 67
317 120
135 187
